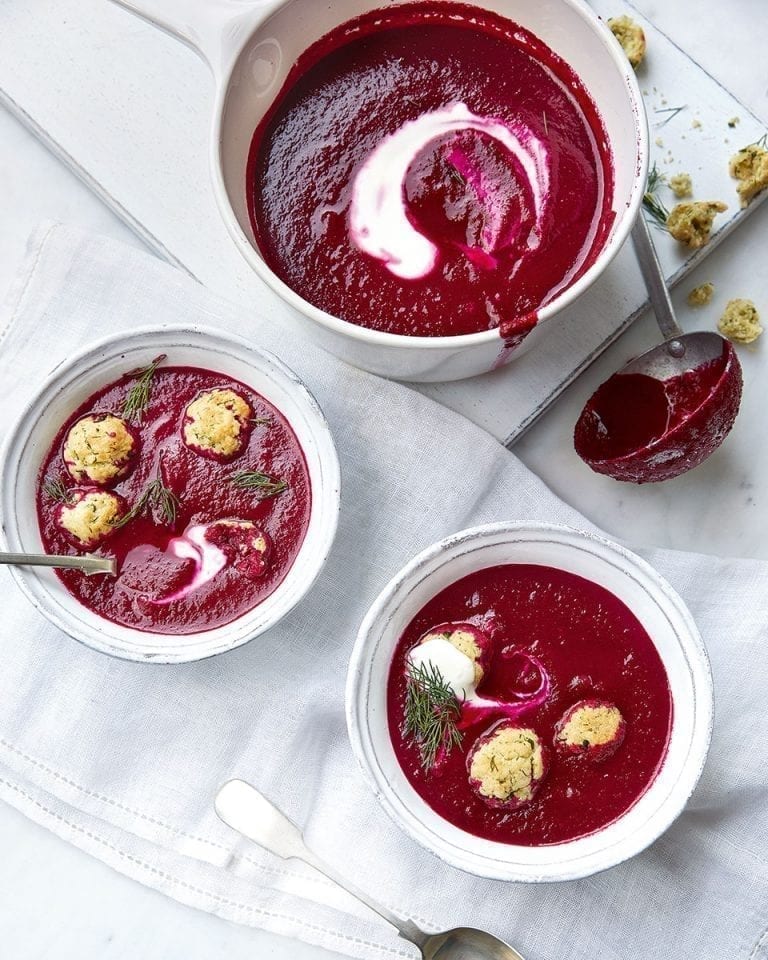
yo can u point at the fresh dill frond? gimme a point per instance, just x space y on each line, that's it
139 395
659 214
255 480
56 490
159 499
432 712
672 113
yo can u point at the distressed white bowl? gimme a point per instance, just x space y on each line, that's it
68 386
251 47
658 608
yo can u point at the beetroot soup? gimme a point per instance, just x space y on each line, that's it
527 705
431 169
193 481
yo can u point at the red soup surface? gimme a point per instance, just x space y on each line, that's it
555 642
431 169
202 494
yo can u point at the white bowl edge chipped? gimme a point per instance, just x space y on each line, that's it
651 599
68 386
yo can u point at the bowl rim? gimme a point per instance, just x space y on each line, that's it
478 863
625 217
174 648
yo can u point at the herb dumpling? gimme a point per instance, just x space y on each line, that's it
593 729
740 321
507 765
100 449
89 517
750 167
244 544
691 223
216 424
631 37
467 639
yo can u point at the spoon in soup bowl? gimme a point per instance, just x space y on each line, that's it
88 564
667 410
242 807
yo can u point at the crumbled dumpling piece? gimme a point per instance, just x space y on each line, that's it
740 321
91 516
750 167
691 223
702 295
631 37
99 449
467 639
681 185
591 728
506 766
216 423
244 544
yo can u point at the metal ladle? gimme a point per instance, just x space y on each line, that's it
88 563
680 351
243 808
637 403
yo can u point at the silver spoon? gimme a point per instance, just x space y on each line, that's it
243 808
88 563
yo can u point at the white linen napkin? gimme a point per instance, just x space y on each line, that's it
123 759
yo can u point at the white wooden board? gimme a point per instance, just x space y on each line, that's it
128 108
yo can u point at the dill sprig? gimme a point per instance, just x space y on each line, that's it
455 174
655 207
56 490
160 500
139 395
432 711
672 111
255 480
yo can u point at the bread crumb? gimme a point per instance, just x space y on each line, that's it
740 321
691 223
631 37
750 167
681 185
659 142
733 121
696 123
702 295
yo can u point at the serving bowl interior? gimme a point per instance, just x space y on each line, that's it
281 33
660 611
68 386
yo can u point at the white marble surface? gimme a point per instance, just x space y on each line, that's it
56 901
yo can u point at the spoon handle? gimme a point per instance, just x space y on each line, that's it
89 564
655 281
243 808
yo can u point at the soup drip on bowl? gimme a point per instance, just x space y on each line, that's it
449 174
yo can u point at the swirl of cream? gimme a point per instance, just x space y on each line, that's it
379 225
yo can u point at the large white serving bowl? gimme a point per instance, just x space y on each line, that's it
658 608
251 48
68 386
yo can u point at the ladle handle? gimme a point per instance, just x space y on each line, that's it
243 808
214 29
88 563
655 280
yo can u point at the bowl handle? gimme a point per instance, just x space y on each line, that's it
216 29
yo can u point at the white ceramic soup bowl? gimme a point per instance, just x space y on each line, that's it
68 386
251 48
657 607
